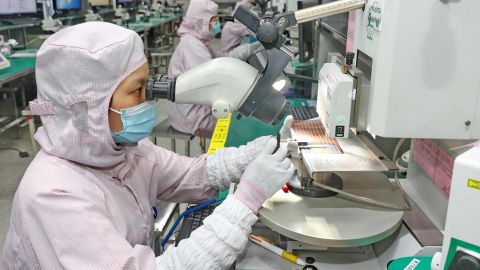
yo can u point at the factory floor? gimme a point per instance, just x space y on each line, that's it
12 167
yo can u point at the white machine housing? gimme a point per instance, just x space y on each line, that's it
334 101
464 198
425 81
239 76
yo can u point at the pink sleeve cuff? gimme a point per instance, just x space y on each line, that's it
249 195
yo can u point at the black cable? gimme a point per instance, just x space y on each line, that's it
356 88
21 154
301 78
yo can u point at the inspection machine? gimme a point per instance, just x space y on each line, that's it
409 73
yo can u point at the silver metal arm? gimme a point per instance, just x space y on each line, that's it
329 9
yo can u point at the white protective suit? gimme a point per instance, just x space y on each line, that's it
85 202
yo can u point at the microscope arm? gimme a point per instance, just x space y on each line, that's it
328 9
223 83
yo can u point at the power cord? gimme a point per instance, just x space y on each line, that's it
21 154
397 181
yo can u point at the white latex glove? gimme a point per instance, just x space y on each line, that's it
287 125
242 52
227 165
264 176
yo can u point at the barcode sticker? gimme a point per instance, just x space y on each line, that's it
219 134
412 265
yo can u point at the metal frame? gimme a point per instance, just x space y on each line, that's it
336 221
359 154
15 76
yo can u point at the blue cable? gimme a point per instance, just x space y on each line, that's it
182 215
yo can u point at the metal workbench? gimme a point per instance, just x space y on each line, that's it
20 67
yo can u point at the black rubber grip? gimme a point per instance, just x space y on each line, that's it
278 143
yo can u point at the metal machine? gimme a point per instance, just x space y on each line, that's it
411 82
411 74
404 90
211 80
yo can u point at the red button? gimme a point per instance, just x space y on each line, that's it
285 188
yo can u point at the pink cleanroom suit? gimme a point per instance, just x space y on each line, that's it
85 202
233 32
191 51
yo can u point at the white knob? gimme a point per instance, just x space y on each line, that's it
436 261
220 109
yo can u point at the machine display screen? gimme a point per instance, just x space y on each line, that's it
124 1
11 7
67 4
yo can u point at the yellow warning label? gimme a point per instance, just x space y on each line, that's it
220 134
473 183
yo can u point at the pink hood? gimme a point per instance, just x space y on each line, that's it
77 71
197 18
